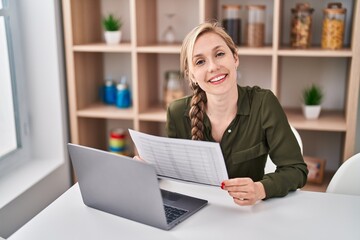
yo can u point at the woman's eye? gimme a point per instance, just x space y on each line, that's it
219 54
199 62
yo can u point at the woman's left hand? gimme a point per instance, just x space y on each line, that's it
244 191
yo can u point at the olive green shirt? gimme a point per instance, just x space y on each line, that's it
259 128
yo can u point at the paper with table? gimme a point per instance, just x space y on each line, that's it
182 159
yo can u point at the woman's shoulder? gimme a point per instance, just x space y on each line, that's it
255 90
256 93
180 106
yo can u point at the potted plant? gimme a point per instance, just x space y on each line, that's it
112 27
312 97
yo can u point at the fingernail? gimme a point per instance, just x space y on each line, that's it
222 185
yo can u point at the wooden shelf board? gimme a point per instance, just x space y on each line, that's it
261 51
160 48
333 121
100 110
103 47
175 48
314 52
157 114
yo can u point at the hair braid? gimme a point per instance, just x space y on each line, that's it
197 113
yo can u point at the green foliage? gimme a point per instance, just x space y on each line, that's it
313 95
111 23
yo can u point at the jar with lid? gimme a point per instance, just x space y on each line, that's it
301 22
108 93
123 95
255 25
232 22
333 26
173 88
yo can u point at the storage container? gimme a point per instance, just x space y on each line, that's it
173 88
123 95
333 26
255 25
301 22
232 22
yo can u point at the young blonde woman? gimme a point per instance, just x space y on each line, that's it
248 122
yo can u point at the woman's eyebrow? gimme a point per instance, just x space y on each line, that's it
200 54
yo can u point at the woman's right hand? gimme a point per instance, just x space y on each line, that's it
244 191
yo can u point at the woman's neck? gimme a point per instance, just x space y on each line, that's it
221 110
222 106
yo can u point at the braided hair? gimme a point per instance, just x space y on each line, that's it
199 99
196 113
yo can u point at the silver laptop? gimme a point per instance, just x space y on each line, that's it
128 188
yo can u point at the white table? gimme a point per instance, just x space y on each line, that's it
300 215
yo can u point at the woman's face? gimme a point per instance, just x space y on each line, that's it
213 65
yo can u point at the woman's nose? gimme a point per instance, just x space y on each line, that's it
213 65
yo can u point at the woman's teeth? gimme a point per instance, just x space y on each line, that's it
217 78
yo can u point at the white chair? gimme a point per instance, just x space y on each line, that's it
347 178
270 166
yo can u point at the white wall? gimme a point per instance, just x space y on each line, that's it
46 174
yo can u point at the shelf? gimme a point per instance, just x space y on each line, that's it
145 60
314 52
100 110
263 51
160 48
102 47
156 114
332 121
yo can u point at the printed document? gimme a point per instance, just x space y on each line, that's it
182 159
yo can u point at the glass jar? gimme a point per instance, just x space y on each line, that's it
333 26
301 22
232 22
255 25
173 88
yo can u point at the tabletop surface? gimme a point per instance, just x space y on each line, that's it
299 215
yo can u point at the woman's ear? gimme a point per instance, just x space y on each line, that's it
236 57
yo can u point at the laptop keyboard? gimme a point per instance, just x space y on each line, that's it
173 213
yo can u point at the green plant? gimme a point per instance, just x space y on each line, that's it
313 95
111 23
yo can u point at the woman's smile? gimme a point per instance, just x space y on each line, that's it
218 79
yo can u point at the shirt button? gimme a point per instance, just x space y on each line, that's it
229 131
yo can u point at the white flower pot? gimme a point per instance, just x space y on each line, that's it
311 112
112 37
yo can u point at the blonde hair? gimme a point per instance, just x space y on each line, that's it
199 99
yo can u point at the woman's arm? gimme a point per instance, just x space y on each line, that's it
291 172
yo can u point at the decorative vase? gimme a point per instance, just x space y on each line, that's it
311 111
112 37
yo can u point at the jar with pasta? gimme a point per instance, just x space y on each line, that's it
333 26
255 25
300 35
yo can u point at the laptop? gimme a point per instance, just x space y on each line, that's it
128 188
